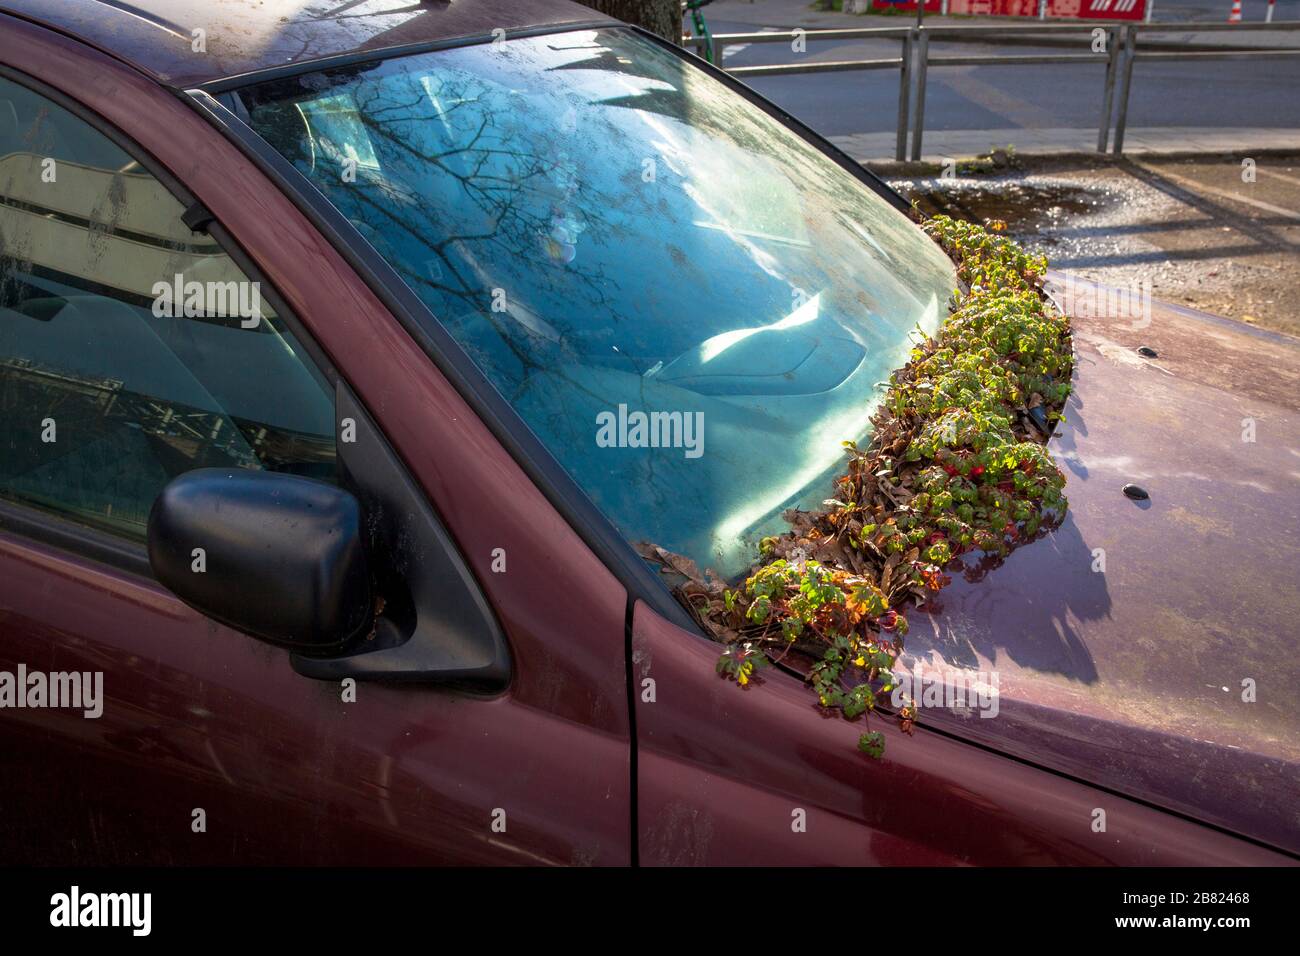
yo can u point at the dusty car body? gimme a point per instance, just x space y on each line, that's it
1111 693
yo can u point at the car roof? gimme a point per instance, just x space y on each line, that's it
248 36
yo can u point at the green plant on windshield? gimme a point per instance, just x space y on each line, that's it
956 465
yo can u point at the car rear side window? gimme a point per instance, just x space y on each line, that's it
131 348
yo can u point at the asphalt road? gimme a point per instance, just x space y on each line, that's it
1171 11
1225 94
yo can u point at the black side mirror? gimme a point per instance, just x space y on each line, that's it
273 555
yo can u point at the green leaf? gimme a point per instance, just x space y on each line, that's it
872 744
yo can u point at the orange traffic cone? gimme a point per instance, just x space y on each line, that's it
1235 15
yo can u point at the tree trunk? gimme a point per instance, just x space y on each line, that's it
663 17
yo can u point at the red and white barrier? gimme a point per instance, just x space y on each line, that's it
1063 9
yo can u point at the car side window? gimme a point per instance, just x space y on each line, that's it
131 348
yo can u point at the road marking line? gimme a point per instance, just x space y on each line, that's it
997 100
1276 175
728 51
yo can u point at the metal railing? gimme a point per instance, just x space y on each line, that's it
1133 54
997 31
902 62
915 60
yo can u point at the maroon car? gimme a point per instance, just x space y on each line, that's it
347 358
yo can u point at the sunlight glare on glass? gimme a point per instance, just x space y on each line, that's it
715 346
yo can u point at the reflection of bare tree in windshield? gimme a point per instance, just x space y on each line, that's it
601 226
518 200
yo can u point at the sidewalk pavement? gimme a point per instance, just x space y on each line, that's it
938 146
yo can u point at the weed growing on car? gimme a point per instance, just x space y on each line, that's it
956 466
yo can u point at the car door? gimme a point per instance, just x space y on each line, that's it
203 744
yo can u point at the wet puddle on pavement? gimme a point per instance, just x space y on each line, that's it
1034 210
1123 226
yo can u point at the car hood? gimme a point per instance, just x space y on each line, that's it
1149 646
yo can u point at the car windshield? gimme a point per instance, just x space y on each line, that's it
689 304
